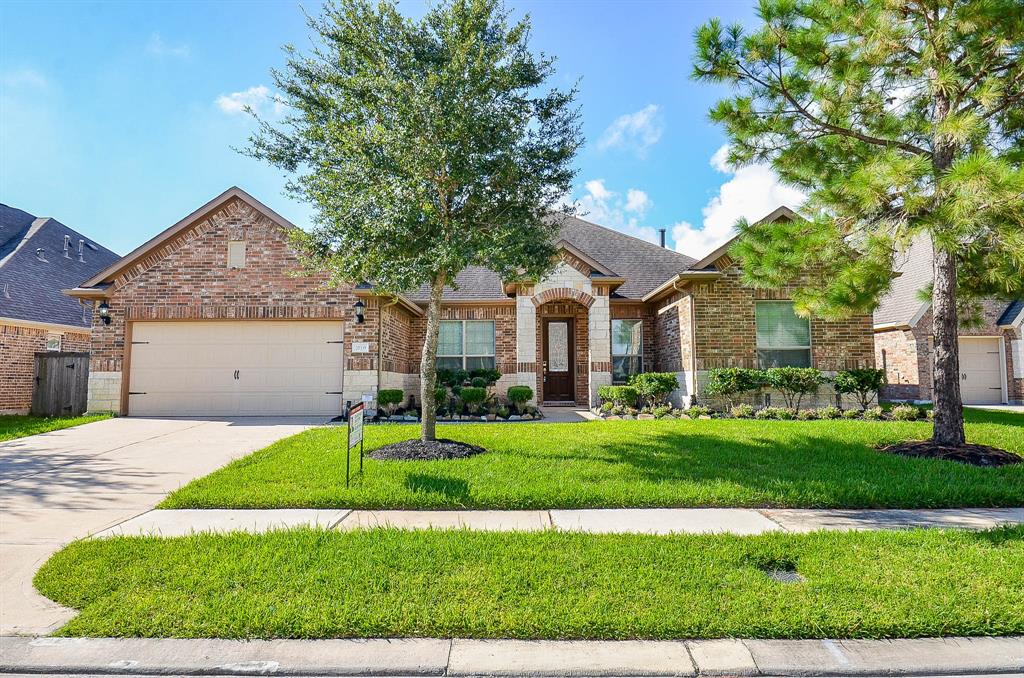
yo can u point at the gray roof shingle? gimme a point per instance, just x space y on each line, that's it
1012 312
644 265
901 303
30 285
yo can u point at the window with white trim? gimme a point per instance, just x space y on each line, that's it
53 342
783 337
466 345
627 349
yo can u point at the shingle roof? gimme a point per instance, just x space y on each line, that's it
901 304
1012 312
30 285
644 265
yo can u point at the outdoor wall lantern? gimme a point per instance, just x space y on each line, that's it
360 318
104 309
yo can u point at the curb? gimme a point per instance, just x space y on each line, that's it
467 657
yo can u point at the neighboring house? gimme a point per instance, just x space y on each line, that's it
991 354
39 257
208 318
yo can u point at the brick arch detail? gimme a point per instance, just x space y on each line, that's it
560 293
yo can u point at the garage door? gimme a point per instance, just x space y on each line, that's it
236 368
980 378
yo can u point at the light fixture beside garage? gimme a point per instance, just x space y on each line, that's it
360 308
104 311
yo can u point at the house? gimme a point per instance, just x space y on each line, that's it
208 318
991 353
39 257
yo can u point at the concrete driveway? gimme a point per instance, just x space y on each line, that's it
61 486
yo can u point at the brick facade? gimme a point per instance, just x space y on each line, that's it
906 354
18 347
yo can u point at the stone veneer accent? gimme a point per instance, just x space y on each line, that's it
18 347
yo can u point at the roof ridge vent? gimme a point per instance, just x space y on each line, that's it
41 254
81 250
67 246
7 291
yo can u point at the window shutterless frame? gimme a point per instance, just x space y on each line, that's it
464 355
803 348
636 358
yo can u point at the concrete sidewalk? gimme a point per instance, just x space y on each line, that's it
174 523
466 657
64 485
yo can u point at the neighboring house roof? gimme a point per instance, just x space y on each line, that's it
35 267
1013 313
901 305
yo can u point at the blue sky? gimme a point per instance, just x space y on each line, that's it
120 118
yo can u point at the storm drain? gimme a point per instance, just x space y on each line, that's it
784 576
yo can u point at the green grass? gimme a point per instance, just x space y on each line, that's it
626 463
18 426
316 584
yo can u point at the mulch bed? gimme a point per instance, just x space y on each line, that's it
969 453
419 450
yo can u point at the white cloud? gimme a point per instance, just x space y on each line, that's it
608 208
158 47
634 132
24 77
752 192
258 98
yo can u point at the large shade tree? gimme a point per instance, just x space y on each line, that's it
424 147
902 119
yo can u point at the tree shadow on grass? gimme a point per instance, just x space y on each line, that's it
452 488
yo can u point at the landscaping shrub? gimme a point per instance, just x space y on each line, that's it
783 413
794 383
478 382
620 396
829 412
906 413
661 411
473 397
390 399
442 402
874 413
452 378
851 414
519 396
807 415
730 382
502 412
653 387
864 383
743 411
698 411
489 376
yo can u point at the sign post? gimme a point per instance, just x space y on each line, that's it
355 435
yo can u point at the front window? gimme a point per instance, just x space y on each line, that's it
627 349
783 337
466 345
53 342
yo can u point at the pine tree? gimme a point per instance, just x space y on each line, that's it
424 147
901 119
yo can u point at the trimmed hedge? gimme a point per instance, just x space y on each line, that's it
620 396
390 398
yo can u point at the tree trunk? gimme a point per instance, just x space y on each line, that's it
428 361
949 416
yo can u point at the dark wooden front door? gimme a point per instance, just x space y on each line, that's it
559 347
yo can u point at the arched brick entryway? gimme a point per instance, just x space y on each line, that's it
577 312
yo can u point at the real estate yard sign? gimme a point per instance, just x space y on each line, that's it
355 435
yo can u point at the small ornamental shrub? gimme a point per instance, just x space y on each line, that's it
606 407
473 397
807 415
698 411
930 415
730 382
874 413
618 410
489 376
743 411
653 387
851 414
502 412
794 383
784 413
390 399
661 411
906 413
864 384
478 382
829 412
622 396
765 413
519 396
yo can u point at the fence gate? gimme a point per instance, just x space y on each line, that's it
62 384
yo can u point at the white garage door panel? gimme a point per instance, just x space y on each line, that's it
283 367
980 371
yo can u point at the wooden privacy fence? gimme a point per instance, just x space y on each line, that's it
62 384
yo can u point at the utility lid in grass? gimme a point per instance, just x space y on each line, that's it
426 450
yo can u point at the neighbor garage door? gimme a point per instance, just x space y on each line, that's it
980 378
235 368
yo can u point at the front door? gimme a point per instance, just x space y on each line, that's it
558 360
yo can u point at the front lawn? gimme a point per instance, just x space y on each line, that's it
386 583
18 426
626 463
